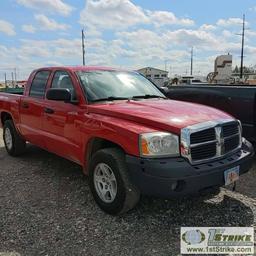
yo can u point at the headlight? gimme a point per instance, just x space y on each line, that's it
159 144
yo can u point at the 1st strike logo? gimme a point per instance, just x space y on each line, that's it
193 237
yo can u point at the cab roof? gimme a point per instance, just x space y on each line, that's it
82 68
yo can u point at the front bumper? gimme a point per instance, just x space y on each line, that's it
177 177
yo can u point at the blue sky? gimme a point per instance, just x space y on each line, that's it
123 33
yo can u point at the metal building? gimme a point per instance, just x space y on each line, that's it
157 76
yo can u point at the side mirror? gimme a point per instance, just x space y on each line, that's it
59 95
163 90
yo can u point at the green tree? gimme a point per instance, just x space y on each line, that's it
236 69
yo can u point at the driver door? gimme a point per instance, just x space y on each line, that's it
60 121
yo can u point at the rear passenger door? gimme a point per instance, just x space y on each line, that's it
60 122
31 109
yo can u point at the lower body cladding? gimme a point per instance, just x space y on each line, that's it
172 177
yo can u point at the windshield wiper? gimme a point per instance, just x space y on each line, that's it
148 96
111 98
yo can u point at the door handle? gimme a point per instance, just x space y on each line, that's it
48 110
24 105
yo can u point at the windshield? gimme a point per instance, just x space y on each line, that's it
116 85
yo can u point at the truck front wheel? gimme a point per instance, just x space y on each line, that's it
109 182
14 144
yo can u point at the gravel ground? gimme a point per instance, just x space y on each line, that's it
46 209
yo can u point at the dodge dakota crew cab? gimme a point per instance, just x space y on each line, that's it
128 137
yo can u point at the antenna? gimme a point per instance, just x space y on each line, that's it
83 49
191 63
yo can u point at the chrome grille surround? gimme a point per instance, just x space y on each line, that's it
219 140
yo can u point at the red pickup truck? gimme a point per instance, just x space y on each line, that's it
128 137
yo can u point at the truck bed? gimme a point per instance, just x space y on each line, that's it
12 90
10 103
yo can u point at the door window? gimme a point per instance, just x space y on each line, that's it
62 80
39 83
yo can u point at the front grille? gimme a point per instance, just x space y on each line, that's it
230 129
216 140
203 136
231 143
204 151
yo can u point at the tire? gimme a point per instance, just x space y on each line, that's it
125 195
13 142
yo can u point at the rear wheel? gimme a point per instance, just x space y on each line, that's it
14 144
110 183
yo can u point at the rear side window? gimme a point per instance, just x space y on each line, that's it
39 83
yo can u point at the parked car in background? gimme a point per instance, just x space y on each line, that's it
128 137
239 101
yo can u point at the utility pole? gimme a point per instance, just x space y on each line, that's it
15 76
5 80
12 80
191 61
242 51
165 65
83 49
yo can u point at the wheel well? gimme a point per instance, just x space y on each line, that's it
96 144
5 116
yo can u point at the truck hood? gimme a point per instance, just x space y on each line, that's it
169 115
